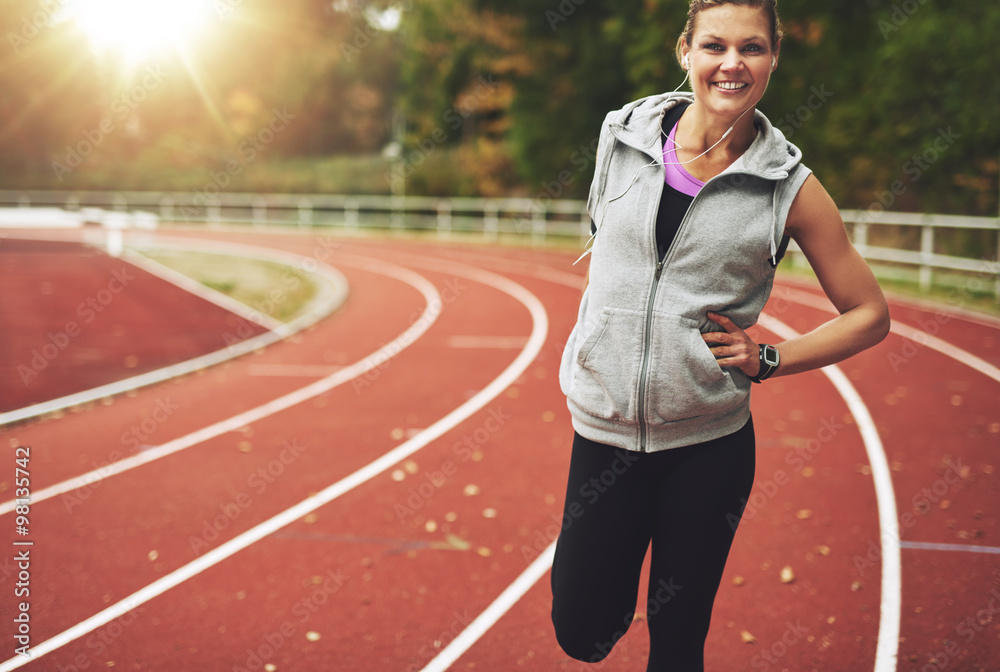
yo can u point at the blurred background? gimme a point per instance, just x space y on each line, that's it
474 97
315 116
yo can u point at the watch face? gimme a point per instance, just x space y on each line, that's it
770 355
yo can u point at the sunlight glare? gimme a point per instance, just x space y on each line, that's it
138 29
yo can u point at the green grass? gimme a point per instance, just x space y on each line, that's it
279 291
226 287
440 173
323 175
969 291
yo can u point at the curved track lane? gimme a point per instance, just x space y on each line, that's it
386 573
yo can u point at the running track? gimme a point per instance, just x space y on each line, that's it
414 478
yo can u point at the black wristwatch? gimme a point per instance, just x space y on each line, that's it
769 360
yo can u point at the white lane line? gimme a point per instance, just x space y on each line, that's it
376 359
888 641
927 305
486 342
539 332
333 289
887 649
966 548
945 348
192 286
906 331
500 606
525 268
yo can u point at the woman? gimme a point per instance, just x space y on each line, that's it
693 199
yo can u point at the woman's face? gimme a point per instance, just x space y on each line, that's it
730 58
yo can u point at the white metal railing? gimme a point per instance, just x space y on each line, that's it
538 218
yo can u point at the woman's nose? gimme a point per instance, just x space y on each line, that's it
732 60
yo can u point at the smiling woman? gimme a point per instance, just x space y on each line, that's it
667 374
138 30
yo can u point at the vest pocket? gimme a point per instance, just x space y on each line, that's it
684 380
605 380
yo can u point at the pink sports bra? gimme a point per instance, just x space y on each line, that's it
676 176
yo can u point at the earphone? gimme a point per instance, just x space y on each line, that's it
686 62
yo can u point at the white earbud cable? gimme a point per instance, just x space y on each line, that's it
659 163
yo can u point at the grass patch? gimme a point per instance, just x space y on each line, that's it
443 173
347 174
969 291
227 287
279 291
958 295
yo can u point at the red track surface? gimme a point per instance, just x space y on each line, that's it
73 318
387 574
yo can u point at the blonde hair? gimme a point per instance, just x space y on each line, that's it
769 7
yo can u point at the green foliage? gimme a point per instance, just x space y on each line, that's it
503 97
329 71
864 88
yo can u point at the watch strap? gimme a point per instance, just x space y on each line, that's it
769 362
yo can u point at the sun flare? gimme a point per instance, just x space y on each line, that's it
139 29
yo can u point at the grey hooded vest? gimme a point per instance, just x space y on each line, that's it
635 370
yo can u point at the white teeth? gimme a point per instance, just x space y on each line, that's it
730 86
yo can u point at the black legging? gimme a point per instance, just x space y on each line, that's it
688 501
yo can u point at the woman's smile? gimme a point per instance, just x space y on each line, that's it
730 87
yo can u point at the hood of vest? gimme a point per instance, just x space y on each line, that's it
771 156
636 371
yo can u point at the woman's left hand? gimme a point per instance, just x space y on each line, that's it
733 348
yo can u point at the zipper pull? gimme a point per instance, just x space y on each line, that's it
659 267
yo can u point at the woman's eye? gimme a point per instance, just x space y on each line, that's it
753 48
714 46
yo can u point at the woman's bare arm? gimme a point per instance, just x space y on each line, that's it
814 223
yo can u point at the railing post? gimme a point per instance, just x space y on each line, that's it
119 203
213 212
926 257
23 201
444 218
491 220
260 212
305 212
538 225
351 208
114 241
72 202
167 208
397 218
861 236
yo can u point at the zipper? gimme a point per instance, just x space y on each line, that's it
647 344
648 338
645 357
